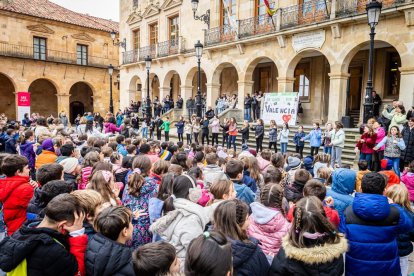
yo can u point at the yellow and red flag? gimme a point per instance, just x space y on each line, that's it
269 10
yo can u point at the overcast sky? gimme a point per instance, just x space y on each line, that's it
108 9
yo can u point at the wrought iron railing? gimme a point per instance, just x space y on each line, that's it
219 35
307 13
146 51
19 51
130 56
257 25
167 48
350 7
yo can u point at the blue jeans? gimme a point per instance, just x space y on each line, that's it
367 157
145 132
283 148
327 150
395 164
247 113
232 140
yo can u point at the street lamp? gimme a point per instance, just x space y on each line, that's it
118 43
204 17
148 61
198 52
373 12
111 101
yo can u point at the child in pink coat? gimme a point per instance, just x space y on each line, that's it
267 221
408 179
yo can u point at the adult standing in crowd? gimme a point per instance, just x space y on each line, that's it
180 102
407 155
189 104
247 107
377 103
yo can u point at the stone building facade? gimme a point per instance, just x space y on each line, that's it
315 47
61 57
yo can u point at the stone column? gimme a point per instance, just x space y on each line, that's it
63 103
164 91
244 88
213 91
407 86
186 93
337 95
285 84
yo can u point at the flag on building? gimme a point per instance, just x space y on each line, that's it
269 10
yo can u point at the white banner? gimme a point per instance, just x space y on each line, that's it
281 107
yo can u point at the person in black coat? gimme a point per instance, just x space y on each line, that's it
158 123
313 245
245 132
180 102
231 219
259 134
107 253
247 107
204 129
407 133
225 127
294 191
210 114
376 99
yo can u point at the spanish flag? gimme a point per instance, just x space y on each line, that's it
269 11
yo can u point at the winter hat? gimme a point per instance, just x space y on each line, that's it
308 162
293 162
386 164
69 164
48 145
253 152
245 147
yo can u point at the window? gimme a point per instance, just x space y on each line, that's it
302 81
39 48
136 36
392 75
153 34
174 28
134 3
82 54
261 7
231 5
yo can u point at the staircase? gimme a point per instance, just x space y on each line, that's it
354 114
348 154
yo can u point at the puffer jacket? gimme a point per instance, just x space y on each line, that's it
111 128
405 240
212 173
105 257
343 185
408 179
398 120
294 191
180 226
371 226
85 174
244 193
248 258
338 138
368 146
358 182
15 194
27 151
380 135
323 260
46 157
215 126
314 137
180 127
408 135
269 226
263 164
273 135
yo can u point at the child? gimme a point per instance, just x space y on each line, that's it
363 170
284 138
394 144
15 191
209 254
144 128
263 160
107 253
11 141
166 264
389 173
184 219
41 246
120 148
131 150
166 127
326 139
180 128
225 129
48 154
321 160
188 129
221 190
205 130
196 129
267 222
234 170
310 236
259 134
399 195
91 158
197 174
245 132
27 150
294 191
215 130
159 169
299 142
273 135
71 170
408 179
102 182
232 219
366 145
337 144
343 186
315 137
136 196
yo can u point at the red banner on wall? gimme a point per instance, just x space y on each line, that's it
23 99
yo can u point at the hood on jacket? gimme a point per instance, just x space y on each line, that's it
315 255
26 146
371 207
308 162
343 181
261 214
48 145
243 251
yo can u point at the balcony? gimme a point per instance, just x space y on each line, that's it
355 7
26 52
168 48
261 24
222 34
304 14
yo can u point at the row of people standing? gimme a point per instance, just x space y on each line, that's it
252 106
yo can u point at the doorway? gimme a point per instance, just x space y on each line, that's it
76 108
355 92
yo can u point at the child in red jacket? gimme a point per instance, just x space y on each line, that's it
366 145
315 188
15 191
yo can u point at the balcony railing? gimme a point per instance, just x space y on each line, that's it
146 51
19 51
351 7
304 14
257 25
167 48
219 35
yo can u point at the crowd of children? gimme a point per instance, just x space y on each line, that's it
116 205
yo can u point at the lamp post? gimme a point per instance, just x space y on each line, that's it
204 17
118 43
373 12
148 61
198 52
111 101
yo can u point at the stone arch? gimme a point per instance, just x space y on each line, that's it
303 54
191 80
171 82
191 73
80 99
41 89
135 88
7 95
251 65
224 80
219 69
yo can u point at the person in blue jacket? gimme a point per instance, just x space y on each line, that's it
371 225
343 185
180 129
298 140
234 170
315 137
